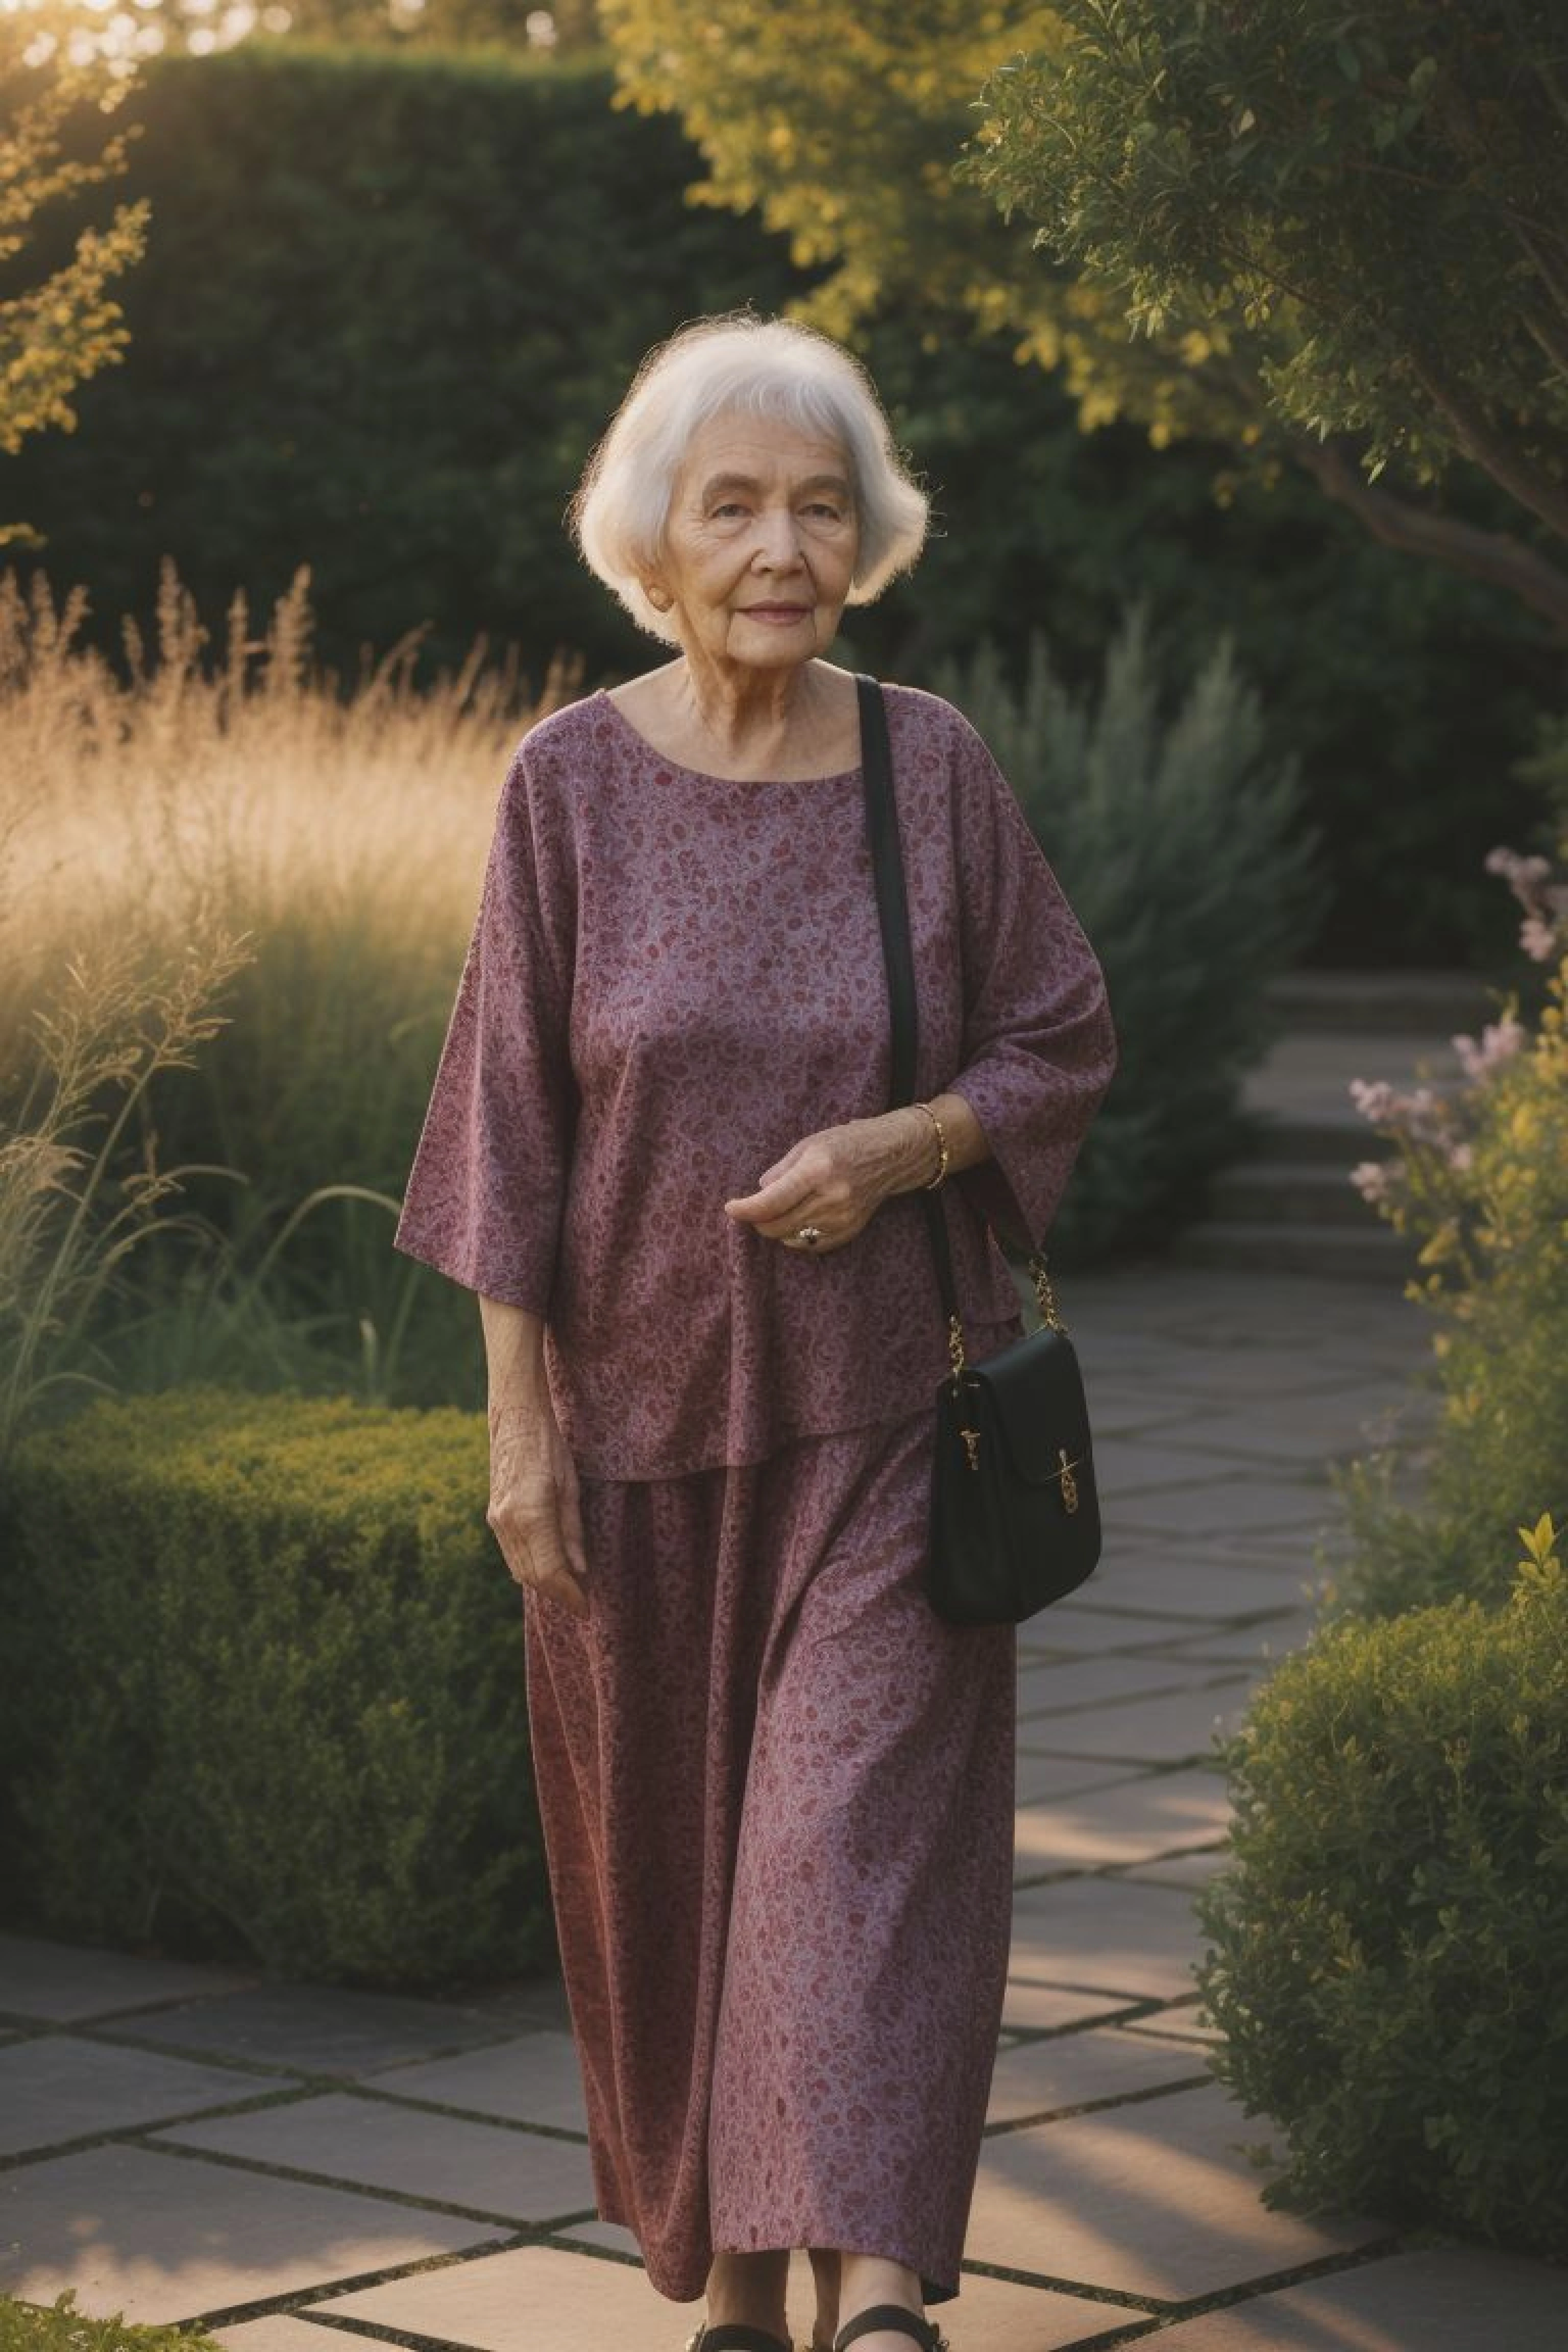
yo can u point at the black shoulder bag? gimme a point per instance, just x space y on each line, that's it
1015 1517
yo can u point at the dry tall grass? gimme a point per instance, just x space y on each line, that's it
228 855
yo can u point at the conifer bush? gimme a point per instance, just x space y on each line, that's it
272 1704
1388 1956
1182 845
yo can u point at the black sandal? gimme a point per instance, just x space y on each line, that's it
895 2319
734 2335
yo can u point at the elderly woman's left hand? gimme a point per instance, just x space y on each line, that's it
834 1183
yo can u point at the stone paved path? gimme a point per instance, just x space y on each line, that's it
280 2161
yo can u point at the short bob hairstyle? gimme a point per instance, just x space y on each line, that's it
753 367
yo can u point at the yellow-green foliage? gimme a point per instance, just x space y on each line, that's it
1389 1961
272 1699
59 2326
62 327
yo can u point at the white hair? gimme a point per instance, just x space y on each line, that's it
753 367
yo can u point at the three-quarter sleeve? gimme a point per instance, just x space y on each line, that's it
484 1197
1039 1048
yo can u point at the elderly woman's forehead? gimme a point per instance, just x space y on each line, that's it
728 442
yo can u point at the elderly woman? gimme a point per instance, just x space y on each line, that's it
775 1788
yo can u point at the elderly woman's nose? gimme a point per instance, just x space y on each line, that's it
777 536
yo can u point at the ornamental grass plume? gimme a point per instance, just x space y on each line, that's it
186 832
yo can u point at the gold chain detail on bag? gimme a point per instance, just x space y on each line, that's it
1045 1294
959 1361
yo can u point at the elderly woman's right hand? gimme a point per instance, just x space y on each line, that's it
534 1509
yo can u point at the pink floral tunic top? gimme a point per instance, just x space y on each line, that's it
674 977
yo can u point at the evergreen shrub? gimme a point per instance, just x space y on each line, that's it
1389 1947
1181 844
267 1693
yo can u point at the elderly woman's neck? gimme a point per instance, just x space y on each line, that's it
750 721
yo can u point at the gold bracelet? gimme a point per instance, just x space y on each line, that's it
941 1176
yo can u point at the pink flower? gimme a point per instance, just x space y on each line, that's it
1375 1098
1519 873
1373 1179
1500 1042
1538 938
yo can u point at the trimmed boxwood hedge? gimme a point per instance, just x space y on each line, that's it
266 1698
1389 1952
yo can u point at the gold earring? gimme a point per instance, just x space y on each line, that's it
660 598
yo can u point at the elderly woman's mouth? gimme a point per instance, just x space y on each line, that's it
776 612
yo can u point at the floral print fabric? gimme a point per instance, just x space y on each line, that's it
672 978
777 1799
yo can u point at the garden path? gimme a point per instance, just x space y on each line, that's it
182 2143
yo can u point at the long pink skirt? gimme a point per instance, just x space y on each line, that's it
777 1801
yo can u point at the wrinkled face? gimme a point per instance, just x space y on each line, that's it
761 545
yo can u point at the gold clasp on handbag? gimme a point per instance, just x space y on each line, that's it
1068 1483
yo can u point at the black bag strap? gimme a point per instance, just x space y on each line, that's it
893 913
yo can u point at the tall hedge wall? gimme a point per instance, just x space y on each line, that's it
391 300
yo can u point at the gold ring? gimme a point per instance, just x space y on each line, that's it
809 1235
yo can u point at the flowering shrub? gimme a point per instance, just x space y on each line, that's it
1480 1180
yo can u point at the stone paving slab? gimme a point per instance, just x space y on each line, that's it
1106 1935
1169 1730
1133 1823
1084 1628
1154 2198
1049 1686
1315 1430
1137 1582
1126 1467
160 2238
1175 2025
65 1984
1265 1644
1121 1408
534 2080
280 2332
1042 2008
529 2299
1182 1869
1244 1503
320 2028
1442 2299
488 2305
520 2005
54 2089
1040 1777
1069 2070
515 2175
613 2236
